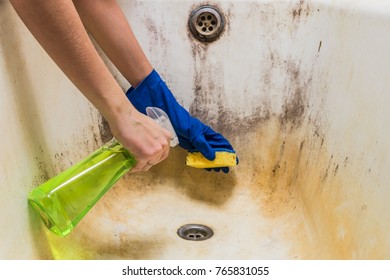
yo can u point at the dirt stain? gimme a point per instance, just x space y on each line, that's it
319 46
104 131
285 163
294 107
300 9
295 178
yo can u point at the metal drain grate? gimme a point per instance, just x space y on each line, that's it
195 232
206 23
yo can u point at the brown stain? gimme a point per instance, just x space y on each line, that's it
209 94
284 162
91 240
319 46
157 34
300 9
295 104
197 184
296 180
104 131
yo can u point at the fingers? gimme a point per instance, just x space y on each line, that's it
204 147
144 139
146 161
142 167
146 165
223 169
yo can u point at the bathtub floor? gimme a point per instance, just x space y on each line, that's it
288 198
139 218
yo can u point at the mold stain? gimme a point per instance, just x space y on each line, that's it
285 164
296 180
104 131
294 107
284 172
291 172
319 46
158 36
300 9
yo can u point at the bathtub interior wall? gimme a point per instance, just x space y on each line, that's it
47 126
298 87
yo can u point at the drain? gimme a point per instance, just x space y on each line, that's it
206 23
195 232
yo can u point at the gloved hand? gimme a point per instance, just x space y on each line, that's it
192 133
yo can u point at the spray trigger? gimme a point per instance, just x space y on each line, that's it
162 119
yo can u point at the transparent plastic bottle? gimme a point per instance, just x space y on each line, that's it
66 198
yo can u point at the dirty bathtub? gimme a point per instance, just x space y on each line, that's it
301 90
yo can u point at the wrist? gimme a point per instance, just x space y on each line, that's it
116 108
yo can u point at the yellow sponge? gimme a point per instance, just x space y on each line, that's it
222 159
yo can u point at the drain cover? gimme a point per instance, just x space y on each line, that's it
195 232
206 23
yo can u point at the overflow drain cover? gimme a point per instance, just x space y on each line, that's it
195 232
206 23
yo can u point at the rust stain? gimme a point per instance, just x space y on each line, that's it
295 176
311 193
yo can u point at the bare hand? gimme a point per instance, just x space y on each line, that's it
143 138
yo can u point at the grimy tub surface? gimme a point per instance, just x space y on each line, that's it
300 88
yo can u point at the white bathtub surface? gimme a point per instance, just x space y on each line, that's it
301 90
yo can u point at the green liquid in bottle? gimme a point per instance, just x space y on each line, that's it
66 198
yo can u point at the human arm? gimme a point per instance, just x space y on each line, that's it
110 28
106 22
58 28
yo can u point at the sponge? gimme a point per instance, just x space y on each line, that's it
222 159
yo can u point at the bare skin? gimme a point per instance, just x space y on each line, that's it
111 30
57 26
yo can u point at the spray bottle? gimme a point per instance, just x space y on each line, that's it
66 198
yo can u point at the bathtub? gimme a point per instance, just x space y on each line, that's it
301 90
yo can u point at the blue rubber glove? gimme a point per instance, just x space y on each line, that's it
192 133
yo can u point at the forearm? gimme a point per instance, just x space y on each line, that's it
58 28
108 25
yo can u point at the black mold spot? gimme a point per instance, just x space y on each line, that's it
319 46
276 166
44 172
158 36
301 9
293 110
104 130
346 161
336 170
209 93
